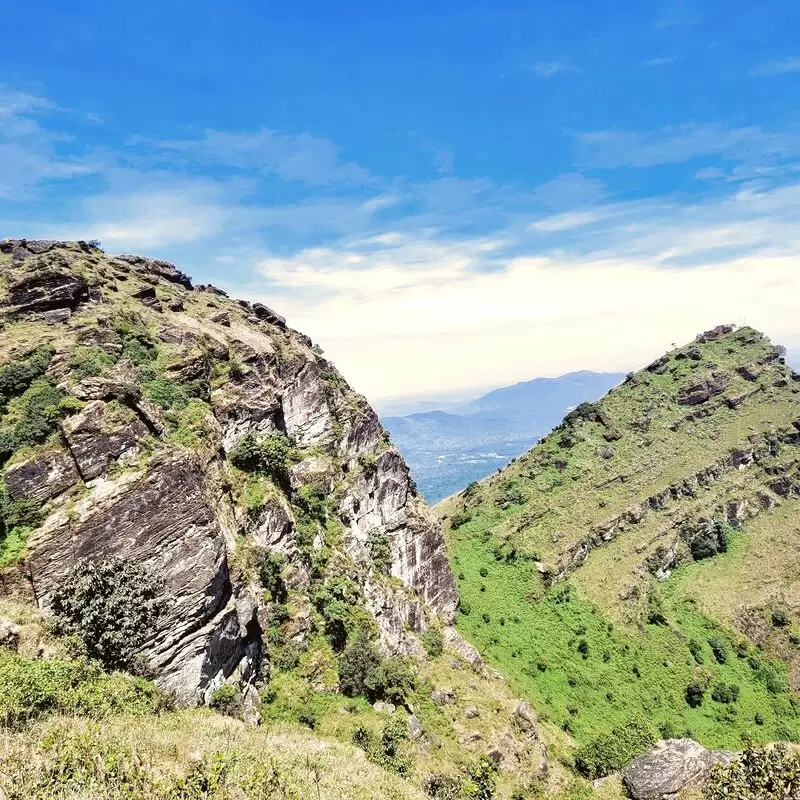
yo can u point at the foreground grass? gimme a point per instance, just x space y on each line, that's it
190 754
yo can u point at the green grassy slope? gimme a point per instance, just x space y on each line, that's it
585 570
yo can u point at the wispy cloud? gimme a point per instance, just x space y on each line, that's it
549 69
659 62
309 159
680 143
31 153
780 67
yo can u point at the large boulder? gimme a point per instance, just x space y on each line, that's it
95 440
669 768
9 633
46 289
162 521
41 478
702 390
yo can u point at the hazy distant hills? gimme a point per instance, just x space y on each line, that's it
448 449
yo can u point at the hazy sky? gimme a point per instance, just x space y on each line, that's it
443 195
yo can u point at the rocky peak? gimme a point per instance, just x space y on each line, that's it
128 396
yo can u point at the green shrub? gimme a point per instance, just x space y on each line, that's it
765 773
696 649
270 569
166 394
380 550
460 518
363 671
694 695
612 750
192 428
719 648
15 378
31 418
780 617
87 362
443 787
227 700
112 607
725 693
30 688
137 345
482 775
339 603
391 680
17 519
268 455
433 642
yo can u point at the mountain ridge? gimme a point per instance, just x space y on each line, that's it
448 449
651 520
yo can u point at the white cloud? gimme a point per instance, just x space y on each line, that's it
780 67
659 62
415 316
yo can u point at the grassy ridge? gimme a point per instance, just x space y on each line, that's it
607 642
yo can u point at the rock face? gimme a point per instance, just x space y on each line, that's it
157 383
669 768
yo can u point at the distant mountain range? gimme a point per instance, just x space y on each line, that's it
448 449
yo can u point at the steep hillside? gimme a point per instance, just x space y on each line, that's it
642 559
448 449
192 493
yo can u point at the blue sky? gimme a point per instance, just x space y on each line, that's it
444 195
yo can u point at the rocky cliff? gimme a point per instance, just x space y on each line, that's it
125 391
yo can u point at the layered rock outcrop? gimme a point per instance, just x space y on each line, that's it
154 384
670 768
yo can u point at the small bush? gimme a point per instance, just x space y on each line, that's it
268 455
443 787
459 519
696 649
725 693
112 606
137 345
364 672
15 378
228 700
482 775
87 362
270 569
433 642
31 418
780 617
764 773
694 695
719 648
611 751
380 551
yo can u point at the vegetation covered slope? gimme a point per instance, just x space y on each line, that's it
641 562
